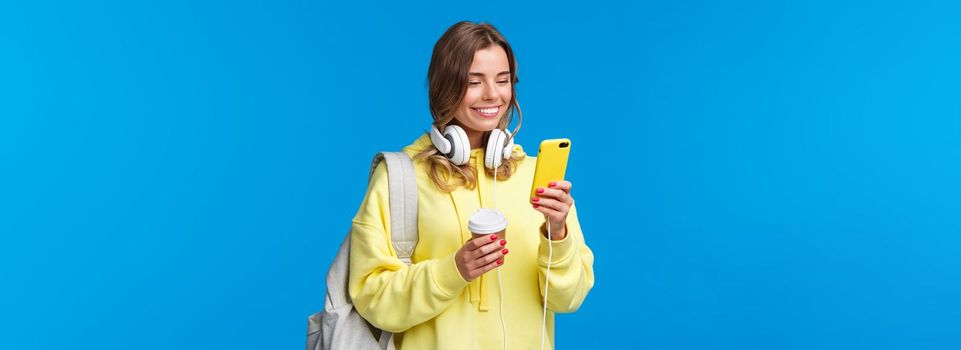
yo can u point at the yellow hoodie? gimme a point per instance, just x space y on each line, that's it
428 305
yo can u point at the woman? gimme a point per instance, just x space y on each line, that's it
446 299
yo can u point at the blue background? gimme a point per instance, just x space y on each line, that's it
750 174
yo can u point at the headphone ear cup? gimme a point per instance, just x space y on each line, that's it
495 149
509 148
439 141
460 146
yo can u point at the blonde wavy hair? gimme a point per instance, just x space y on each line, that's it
447 79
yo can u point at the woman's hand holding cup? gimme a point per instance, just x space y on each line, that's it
486 250
480 255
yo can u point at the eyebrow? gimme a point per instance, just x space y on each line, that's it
475 74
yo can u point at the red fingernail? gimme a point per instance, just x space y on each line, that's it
552 184
493 237
504 251
535 199
503 241
540 190
536 206
500 262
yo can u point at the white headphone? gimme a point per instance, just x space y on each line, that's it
453 143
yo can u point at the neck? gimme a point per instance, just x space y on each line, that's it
476 139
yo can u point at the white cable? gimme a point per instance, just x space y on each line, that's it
495 188
500 288
547 280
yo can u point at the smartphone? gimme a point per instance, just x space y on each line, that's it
551 163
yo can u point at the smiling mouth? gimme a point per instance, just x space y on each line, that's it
488 112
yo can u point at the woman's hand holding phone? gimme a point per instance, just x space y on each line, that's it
550 194
555 203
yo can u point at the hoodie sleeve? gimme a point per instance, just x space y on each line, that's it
388 293
572 267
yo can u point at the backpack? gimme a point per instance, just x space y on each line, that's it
339 326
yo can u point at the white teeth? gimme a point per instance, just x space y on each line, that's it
487 110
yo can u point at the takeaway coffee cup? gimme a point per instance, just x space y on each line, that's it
487 221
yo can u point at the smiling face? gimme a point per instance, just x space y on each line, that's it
488 94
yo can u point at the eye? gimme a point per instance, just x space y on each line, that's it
503 82
473 83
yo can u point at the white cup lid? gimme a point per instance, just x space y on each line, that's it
486 221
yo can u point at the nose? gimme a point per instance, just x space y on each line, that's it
489 92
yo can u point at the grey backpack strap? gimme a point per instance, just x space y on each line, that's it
340 326
402 184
